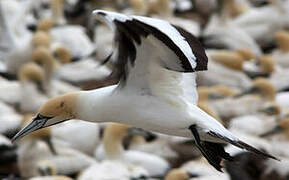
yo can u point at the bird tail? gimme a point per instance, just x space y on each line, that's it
242 145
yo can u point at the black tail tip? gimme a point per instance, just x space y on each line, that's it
256 151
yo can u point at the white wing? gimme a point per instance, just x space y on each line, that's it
152 55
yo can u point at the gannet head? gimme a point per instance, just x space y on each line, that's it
260 67
282 39
179 175
231 59
45 25
41 38
56 110
208 93
247 54
284 124
261 86
267 64
44 58
62 54
31 72
224 90
271 109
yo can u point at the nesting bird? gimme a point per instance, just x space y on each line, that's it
157 64
227 63
114 150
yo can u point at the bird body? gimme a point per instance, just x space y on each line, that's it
156 62
73 37
160 116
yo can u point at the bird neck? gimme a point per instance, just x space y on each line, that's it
95 105
112 142
57 11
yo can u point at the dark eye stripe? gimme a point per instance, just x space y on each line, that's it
40 117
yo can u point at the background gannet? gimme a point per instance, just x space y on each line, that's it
179 175
113 149
157 90
223 64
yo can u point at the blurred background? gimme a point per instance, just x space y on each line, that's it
51 47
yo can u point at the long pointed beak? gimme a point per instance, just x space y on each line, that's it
37 123
273 131
248 91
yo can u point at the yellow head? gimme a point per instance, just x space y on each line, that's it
62 54
210 93
282 39
271 109
247 54
267 64
178 174
231 59
265 88
284 124
41 38
31 72
44 58
56 110
60 108
224 90
45 25
262 87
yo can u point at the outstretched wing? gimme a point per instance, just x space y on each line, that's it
151 51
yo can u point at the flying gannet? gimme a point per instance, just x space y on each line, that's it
157 63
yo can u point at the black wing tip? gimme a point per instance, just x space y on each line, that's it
99 12
250 148
197 48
